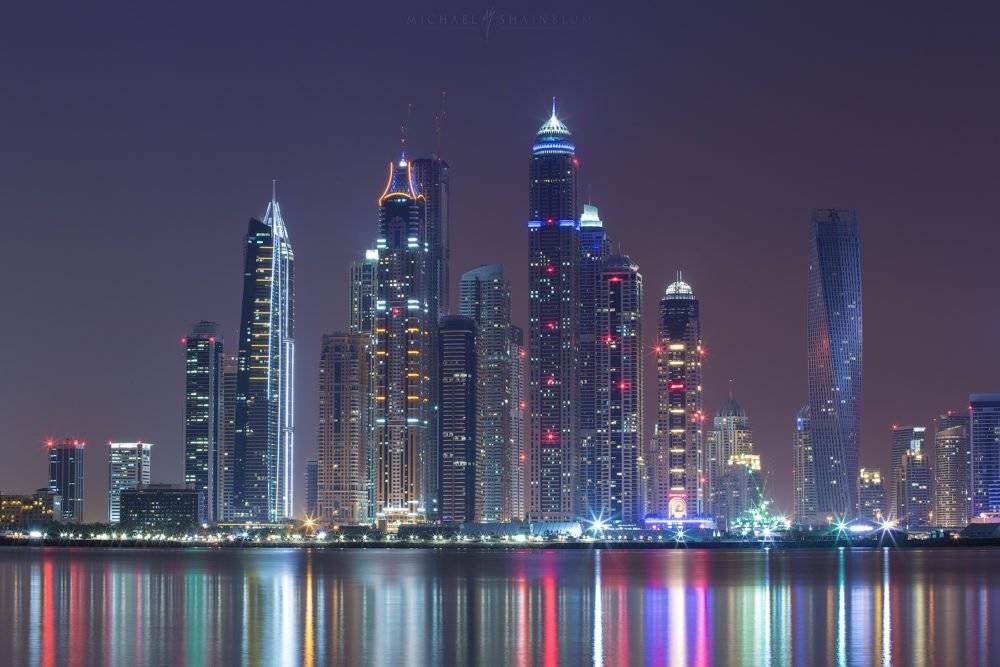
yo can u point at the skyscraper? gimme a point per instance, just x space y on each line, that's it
803 471
739 488
203 415
871 494
364 283
951 470
461 494
264 437
984 440
593 251
678 464
312 487
834 345
484 296
227 437
402 349
128 464
904 438
614 491
343 475
914 489
554 253
518 450
730 436
66 477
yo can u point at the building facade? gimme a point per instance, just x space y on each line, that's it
263 445
460 488
312 488
730 436
984 443
834 343
952 462
517 465
871 494
129 467
364 287
740 487
904 438
803 471
161 508
227 436
203 414
913 489
66 477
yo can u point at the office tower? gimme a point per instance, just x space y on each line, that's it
833 329
803 471
312 487
871 494
165 508
364 280
984 440
344 430
264 439
679 467
951 470
518 451
128 467
614 492
554 253
913 488
593 251
66 477
739 488
484 296
730 436
460 499
203 414
227 438
402 348
904 438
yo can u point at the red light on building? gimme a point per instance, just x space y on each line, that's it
523 354
550 380
657 349
211 339
550 325
522 405
396 310
550 436
550 221
623 385
576 162
184 340
675 386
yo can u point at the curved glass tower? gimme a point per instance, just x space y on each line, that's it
834 348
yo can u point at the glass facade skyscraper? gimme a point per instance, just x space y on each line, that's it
984 436
904 438
263 445
459 485
66 468
203 414
803 471
834 342
951 470
871 494
518 451
730 436
554 255
128 467
364 281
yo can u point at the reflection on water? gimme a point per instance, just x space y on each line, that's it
353 606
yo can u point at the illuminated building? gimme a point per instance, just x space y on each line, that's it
364 277
913 488
227 436
343 493
484 296
984 440
904 438
614 495
401 352
833 329
518 449
554 253
66 468
460 496
128 467
803 469
871 494
739 487
312 487
730 436
29 512
264 436
951 470
203 414
593 251
678 475
160 508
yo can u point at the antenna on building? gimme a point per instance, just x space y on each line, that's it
274 190
590 193
402 132
439 121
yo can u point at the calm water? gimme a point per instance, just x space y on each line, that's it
395 607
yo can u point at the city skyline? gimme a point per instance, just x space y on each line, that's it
886 224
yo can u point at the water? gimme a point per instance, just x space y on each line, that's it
61 606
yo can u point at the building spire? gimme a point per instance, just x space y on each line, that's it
402 134
553 106
274 190
439 121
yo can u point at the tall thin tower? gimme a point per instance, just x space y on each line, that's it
264 438
834 317
203 415
554 249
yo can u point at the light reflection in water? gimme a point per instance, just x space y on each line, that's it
290 607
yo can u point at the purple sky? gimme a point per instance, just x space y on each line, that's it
138 139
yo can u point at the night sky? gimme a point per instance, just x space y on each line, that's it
138 139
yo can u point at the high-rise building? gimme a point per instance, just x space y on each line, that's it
402 348
871 494
518 450
164 508
679 464
594 246
312 487
984 441
834 345
484 296
739 488
460 496
364 283
264 437
730 436
344 477
128 467
66 477
227 437
913 493
614 492
203 414
951 470
554 254
904 438
803 471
